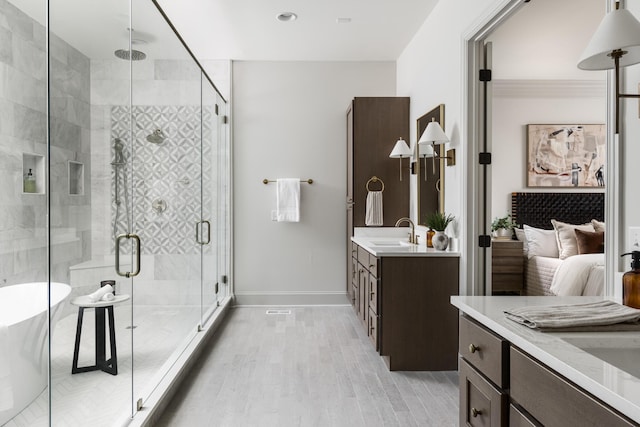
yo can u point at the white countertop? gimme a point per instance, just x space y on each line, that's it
398 247
612 385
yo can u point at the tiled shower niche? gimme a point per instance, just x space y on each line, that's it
172 152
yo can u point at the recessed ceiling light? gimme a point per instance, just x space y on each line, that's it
343 20
286 16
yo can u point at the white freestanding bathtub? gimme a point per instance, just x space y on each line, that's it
23 342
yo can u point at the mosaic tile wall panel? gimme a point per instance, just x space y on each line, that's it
166 172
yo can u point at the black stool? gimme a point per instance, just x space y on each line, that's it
109 366
102 310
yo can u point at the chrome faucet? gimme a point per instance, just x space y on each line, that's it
412 236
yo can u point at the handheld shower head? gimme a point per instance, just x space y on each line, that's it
118 146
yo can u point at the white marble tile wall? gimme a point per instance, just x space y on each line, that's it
161 90
23 129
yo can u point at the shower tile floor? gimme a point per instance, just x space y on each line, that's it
97 398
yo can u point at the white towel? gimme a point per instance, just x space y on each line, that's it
6 389
108 296
97 295
574 315
288 200
373 214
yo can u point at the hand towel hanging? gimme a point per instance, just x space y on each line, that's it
373 208
288 200
373 215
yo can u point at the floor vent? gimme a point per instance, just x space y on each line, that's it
278 311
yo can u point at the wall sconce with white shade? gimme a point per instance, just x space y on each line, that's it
434 135
615 43
425 151
400 150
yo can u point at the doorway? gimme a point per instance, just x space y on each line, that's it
533 78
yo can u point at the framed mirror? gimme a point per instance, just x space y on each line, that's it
430 171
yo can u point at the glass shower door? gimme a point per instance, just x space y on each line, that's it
213 281
165 187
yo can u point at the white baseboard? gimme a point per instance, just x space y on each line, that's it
290 298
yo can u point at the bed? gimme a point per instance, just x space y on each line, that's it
545 222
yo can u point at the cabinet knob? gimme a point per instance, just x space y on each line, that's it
473 349
475 412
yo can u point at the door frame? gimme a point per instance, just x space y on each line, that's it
473 42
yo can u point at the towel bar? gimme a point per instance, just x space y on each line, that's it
266 181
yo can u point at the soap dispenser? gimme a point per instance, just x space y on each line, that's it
631 282
29 183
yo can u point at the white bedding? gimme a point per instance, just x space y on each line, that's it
539 272
579 275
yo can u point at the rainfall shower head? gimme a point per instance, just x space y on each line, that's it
134 55
156 137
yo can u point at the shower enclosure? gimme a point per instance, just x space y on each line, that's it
115 160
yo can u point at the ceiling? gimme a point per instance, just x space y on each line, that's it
378 30
248 29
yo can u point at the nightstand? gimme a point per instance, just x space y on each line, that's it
507 267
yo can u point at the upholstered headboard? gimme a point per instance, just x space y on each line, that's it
538 209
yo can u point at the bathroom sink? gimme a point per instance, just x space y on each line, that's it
621 350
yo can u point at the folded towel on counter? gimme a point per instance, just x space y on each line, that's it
574 315
288 200
6 389
108 297
97 295
373 211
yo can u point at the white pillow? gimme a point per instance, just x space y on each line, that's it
566 235
541 242
523 238
597 225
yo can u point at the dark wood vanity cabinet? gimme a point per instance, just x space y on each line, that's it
484 376
501 385
374 124
403 302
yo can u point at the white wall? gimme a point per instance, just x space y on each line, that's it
518 103
290 121
544 40
431 72
536 80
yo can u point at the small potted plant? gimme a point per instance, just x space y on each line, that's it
438 221
502 227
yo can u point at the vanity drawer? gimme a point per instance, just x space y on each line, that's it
373 265
518 419
372 330
481 403
554 401
354 250
363 257
487 352
373 293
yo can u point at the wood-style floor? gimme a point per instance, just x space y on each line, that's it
313 367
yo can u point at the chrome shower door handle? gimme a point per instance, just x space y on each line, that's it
136 238
200 242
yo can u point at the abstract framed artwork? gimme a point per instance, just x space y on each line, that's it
566 155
